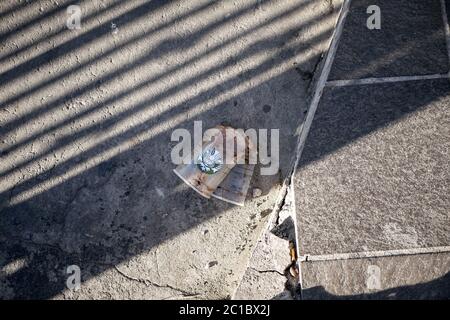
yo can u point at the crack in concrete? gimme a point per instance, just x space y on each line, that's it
147 282
268 271
314 72
318 82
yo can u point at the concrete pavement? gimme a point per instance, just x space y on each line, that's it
86 117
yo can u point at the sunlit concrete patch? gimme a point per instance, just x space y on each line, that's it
86 118
13 267
374 171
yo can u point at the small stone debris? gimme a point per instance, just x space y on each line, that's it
257 192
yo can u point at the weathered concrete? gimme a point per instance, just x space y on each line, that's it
265 277
373 173
411 41
85 123
401 277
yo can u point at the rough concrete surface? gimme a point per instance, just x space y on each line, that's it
86 118
265 277
374 170
410 41
401 277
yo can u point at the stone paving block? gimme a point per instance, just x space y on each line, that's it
374 174
425 276
411 41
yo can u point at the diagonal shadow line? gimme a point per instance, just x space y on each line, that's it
410 46
49 37
85 39
392 56
322 147
19 29
182 85
230 83
123 45
91 253
324 139
89 130
13 10
92 61
348 113
50 106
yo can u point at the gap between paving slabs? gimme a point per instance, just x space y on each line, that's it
282 223
363 81
279 223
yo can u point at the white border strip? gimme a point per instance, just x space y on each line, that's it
353 82
304 130
373 254
321 82
446 27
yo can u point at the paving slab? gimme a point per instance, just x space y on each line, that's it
373 174
424 276
86 117
411 41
